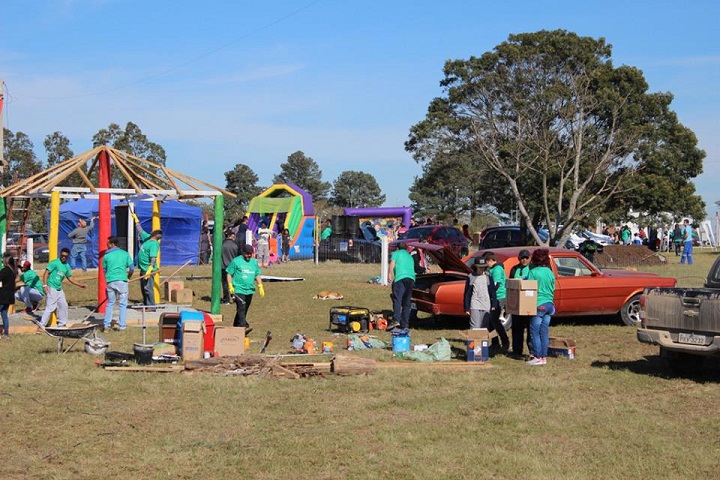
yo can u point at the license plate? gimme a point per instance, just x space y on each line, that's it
691 338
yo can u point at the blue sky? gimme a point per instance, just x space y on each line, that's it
221 83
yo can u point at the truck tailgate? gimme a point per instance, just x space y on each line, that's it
679 309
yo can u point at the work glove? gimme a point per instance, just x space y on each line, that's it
231 289
261 290
135 218
148 271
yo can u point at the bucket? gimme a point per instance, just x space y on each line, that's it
400 344
143 353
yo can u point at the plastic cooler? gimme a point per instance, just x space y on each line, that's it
209 339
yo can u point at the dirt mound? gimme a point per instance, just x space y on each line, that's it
620 256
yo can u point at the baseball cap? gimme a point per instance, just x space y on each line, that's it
26 264
480 262
247 248
524 254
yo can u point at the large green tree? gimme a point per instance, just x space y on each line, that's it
58 148
242 181
304 172
356 189
564 129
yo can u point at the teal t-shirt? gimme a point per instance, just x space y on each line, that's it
497 272
326 233
404 265
243 273
148 250
32 280
58 272
546 284
115 262
522 272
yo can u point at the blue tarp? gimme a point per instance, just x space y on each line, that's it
179 222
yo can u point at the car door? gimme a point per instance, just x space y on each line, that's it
580 289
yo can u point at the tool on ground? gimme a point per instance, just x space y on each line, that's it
268 339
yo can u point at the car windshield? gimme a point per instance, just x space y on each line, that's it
421 232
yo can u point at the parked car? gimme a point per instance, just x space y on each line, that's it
365 249
501 236
13 243
443 235
581 287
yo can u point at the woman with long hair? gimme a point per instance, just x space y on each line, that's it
7 291
540 323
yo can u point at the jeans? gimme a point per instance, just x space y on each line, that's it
687 254
540 330
243 302
147 287
116 290
401 297
5 319
78 253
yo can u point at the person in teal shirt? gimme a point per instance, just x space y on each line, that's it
402 276
31 293
243 275
118 267
327 231
520 323
687 237
540 323
57 271
496 270
147 263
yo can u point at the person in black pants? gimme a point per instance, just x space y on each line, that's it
520 323
229 252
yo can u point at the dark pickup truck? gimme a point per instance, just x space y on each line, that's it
683 322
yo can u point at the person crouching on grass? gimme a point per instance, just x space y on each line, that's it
31 292
243 274
57 271
540 323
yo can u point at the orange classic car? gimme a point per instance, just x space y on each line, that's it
581 288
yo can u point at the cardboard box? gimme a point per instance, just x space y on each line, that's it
521 297
181 295
193 340
167 326
477 344
562 347
229 341
171 285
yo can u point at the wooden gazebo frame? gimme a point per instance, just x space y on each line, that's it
140 178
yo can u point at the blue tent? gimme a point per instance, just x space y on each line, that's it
180 223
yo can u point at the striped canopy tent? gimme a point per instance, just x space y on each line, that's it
119 175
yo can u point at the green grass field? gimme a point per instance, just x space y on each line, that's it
615 412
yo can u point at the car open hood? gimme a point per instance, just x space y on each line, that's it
443 256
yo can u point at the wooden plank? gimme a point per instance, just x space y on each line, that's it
280 371
159 369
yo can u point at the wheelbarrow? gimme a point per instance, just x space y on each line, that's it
86 332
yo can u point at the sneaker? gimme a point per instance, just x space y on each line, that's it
543 360
534 361
248 330
393 325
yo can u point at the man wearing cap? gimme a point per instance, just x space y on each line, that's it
57 271
520 323
147 262
243 275
118 267
79 246
31 292
497 271
480 298
402 276
229 252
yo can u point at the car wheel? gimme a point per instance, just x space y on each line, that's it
630 312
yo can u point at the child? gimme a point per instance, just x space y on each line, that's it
285 246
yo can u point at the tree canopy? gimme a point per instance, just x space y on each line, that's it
356 189
565 133
242 181
304 172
